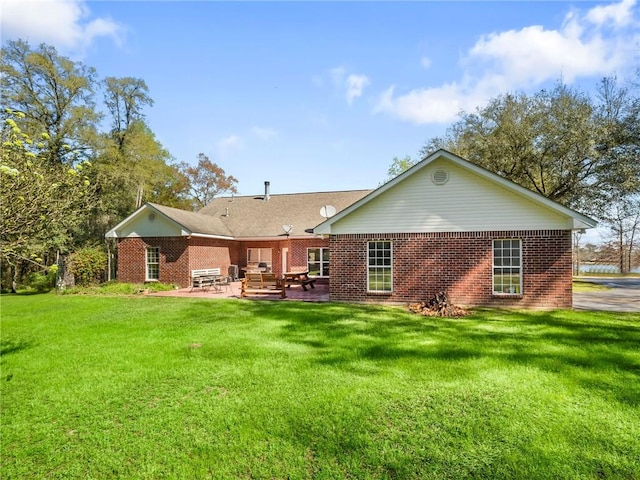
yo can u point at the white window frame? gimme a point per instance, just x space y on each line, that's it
324 264
261 253
506 256
377 265
149 263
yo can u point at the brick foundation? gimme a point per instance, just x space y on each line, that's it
458 263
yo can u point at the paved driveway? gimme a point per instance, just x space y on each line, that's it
624 295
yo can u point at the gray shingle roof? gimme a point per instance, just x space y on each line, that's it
194 222
252 216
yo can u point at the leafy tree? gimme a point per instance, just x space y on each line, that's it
622 217
41 203
556 142
618 119
55 95
127 176
207 180
125 98
399 165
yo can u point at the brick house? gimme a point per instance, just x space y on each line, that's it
444 224
159 243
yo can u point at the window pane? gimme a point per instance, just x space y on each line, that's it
380 273
153 263
318 261
507 275
259 255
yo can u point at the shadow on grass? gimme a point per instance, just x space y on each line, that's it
595 350
9 346
598 352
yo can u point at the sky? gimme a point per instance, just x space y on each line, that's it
321 96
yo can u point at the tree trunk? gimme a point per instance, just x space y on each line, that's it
14 278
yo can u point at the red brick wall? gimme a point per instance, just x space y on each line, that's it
174 259
211 253
458 263
297 251
178 256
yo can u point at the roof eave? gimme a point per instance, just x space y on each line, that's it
210 235
579 220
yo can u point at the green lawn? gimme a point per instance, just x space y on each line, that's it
148 388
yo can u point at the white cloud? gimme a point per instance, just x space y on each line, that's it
65 24
522 59
229 144
428 105
617 14
264 133
355 86
349 84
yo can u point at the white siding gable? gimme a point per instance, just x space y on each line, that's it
467 202
148 223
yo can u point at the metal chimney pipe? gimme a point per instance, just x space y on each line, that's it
266 190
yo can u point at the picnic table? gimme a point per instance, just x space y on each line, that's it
299 278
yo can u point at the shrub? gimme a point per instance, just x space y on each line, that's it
88 265
43 282
39 282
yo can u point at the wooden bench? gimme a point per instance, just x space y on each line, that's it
262 284
204 278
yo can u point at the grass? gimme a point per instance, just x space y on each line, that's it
140 387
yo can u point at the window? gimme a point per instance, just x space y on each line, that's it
318 262
379 267
153 263
258 256
507 267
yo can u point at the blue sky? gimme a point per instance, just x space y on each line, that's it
317 96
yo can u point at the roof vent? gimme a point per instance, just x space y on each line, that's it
266 190
440 176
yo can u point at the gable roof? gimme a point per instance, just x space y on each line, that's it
254 217
240 217
182 221
577 220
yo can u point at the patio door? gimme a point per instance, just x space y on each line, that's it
285 262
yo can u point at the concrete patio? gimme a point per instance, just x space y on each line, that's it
624 295
318 294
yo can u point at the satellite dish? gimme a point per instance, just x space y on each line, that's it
328 211
287 229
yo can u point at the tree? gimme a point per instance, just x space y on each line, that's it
555 142
55 95
623 219
41 203
138 171
207 180
132 166
125 98
399 165
618 120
